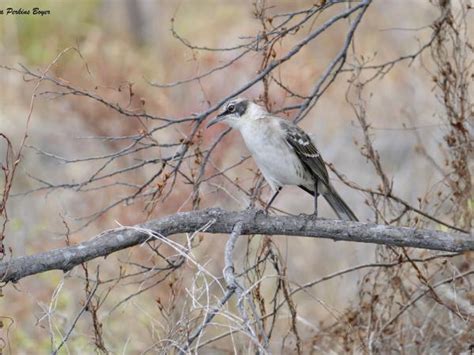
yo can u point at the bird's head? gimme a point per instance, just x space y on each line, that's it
237 112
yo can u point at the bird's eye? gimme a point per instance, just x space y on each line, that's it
231 108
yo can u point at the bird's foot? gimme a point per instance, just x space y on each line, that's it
266 210
309 216
251 206
256 210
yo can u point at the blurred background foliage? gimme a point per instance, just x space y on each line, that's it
38 38
125 45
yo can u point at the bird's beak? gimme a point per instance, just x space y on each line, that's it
220 117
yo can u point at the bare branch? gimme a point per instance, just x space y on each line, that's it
253 222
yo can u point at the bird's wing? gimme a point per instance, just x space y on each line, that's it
306 151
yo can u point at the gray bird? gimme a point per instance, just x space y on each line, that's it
284 153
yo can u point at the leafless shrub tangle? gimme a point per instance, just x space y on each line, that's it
408 300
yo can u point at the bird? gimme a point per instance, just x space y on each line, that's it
284 153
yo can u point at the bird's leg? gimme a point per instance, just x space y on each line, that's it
272 199
316 194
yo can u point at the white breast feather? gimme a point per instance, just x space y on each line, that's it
274 157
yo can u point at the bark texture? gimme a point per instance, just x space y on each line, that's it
216 220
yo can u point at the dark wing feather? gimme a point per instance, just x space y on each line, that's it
311 158
306 151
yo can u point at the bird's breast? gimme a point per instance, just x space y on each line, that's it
274 157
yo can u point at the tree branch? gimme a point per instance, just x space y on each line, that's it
253 222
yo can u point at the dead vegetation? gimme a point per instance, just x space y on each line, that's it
140 152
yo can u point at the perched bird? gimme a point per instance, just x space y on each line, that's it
284 153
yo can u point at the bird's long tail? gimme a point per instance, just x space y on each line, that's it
337 204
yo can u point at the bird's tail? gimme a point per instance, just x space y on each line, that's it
337 204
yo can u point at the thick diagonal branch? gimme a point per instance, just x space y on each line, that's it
253 222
